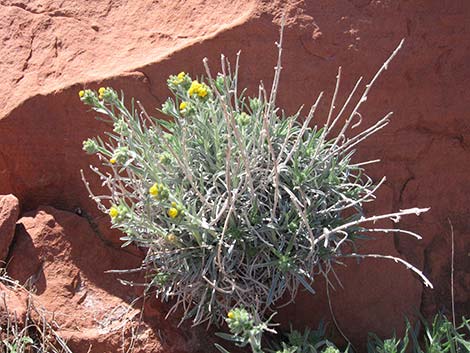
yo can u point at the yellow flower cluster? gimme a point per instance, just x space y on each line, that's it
81 93
173 212
198 88
101 92
118 212
183 106
153 190
179 78
159 191
230 314
113 212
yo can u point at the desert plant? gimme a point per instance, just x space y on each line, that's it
442 336
310 341
390 345
237 203
248 329
245 329
438 336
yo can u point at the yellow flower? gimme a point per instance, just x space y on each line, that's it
173 212
112 160
81 93
113 212
153 190
194 88
202 92
180 78
198 88
101 90
173 204
183 105
230 314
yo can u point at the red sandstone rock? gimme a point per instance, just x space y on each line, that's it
9 212
64 260
52 49
13 303
48 45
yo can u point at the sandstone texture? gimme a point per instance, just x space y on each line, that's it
51 49
9 212
65 260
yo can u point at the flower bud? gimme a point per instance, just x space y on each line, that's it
90 146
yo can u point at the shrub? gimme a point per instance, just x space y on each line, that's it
237 203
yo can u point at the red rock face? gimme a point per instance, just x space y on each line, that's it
65 260
52 49
9 212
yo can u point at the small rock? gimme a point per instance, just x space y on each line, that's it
13 303
9 212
